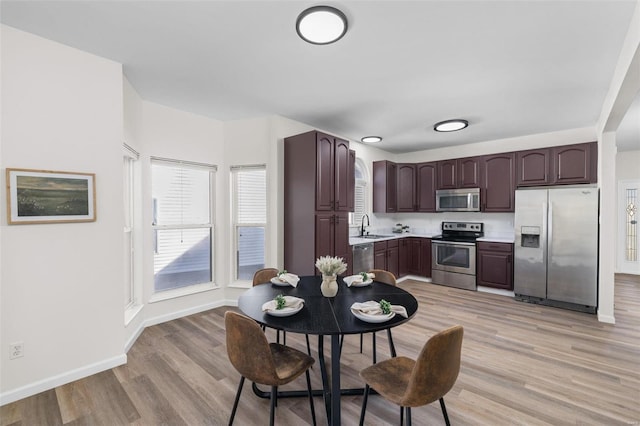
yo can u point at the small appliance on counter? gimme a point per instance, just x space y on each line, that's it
400 228
453 254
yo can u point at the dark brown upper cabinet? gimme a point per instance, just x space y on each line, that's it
498 182
426 186
459 173
559 165
351 195
469 172
385 174
447 174
406 191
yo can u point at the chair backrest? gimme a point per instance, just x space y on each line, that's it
384 276
436 368
248 349
263 276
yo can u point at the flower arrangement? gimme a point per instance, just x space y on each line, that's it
331 265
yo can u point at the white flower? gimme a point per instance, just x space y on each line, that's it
331 265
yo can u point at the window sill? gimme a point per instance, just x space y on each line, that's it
180 292
241 284
130 313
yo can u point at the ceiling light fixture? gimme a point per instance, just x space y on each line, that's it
321 25
450 125
371 139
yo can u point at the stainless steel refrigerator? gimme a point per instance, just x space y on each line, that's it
556 247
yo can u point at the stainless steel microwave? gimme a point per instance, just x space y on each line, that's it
458 200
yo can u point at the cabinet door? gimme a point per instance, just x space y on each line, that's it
426 187
351 190
341 236
406 190
533 167
380 259
392 260
425 254
571 164
498 182
447 174
341 180
494 265
403 257
384 187
324 172
469 172
415 257
325 239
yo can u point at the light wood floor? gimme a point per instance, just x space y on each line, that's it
521 364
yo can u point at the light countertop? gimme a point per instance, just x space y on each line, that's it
354 241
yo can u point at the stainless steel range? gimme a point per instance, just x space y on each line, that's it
453 254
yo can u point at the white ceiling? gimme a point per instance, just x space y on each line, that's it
511 68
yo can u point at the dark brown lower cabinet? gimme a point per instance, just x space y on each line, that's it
332 236
495 265
386 256
415 257
403 257
425 255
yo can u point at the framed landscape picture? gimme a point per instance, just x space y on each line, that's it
44 196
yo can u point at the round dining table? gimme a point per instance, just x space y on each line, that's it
327 316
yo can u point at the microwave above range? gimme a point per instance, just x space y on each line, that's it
458 200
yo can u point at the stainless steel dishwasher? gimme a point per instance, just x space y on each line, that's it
362 258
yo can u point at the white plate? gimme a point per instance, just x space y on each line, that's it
372 318
277 281
349 281
284 312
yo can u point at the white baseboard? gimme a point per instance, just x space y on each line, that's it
415 278
609 319
61 379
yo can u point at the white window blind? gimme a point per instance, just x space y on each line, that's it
360 193
182 222
250 219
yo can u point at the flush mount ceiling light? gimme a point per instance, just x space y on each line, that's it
371 139
321 25
450 125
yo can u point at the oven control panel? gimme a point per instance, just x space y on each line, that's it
463 226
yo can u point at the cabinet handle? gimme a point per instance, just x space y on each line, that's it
337 219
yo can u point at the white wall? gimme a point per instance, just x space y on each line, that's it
628 165
61 288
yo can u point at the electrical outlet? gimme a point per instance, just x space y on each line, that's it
16 350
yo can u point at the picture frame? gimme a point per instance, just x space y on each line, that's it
46 196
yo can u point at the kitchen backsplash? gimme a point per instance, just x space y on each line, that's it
496 225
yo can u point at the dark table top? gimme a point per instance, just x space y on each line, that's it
322 315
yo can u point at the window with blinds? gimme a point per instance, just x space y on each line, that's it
360 193
249 219
182 223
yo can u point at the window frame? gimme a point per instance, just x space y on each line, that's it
158 295
234 217
132 279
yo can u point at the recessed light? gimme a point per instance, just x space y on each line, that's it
450 125
371 139
321 25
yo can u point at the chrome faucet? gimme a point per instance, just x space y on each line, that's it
362 224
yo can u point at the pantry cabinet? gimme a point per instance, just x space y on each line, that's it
318 195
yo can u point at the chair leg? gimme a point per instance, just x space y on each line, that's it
373 341
313 410
284 338
306 336
392 347
401 416
235 403
364 405
361 341
408 410
341 342
444 412
274 394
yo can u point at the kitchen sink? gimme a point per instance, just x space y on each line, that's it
374 236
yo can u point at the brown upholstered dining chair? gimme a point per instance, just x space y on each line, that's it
387 278
265 363
263 276
410 383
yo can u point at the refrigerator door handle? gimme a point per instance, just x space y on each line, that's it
548 244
